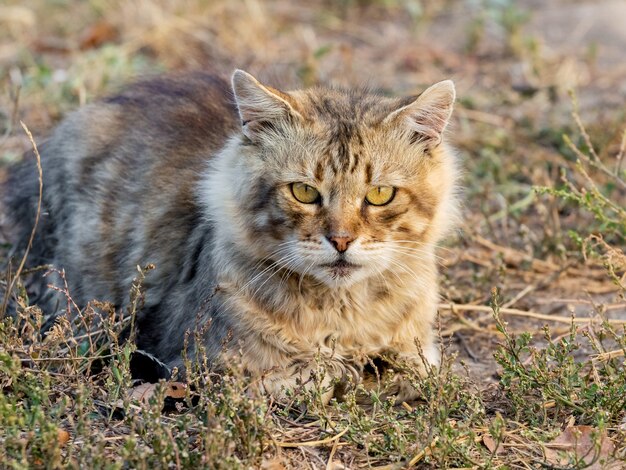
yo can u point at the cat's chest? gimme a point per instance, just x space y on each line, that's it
345 324
352 322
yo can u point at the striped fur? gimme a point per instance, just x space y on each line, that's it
183 173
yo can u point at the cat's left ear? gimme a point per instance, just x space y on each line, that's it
428 115
259 106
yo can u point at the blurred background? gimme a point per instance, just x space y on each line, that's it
509 58
514 64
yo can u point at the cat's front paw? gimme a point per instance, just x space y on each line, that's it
396 377
285 385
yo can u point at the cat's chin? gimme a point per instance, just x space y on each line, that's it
339 282
339 274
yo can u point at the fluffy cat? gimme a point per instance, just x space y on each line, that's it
286 224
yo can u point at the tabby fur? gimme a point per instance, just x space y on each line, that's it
194 176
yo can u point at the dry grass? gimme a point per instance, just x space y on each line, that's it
544 224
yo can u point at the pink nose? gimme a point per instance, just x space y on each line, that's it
340 243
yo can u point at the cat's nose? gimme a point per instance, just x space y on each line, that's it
340 243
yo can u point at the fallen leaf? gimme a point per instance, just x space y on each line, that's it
490 443
176 390
142 393
97 34
584 443
63 437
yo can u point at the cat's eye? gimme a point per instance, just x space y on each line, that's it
304 193
380 195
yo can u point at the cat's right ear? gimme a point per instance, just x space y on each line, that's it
259 106
427 116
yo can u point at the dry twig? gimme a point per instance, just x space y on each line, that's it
529 314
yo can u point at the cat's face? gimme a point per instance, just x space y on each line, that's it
342 186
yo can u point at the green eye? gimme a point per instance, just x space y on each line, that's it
304 193
380 195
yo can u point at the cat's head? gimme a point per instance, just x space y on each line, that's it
340 185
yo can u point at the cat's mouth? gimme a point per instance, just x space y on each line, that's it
341 267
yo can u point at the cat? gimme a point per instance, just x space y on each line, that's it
287 225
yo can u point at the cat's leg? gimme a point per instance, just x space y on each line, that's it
288 381
419 364
309 374
414 354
